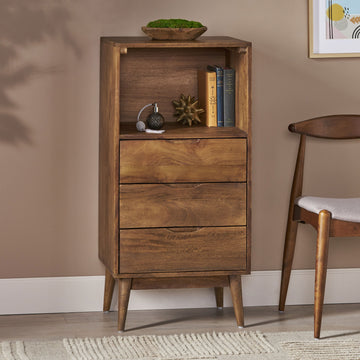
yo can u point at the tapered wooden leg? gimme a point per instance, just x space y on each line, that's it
219 295
236 294
288 257
108 290
124 295
322 248
291 227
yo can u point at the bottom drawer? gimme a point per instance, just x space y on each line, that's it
182 249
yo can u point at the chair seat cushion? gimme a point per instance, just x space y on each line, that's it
341 209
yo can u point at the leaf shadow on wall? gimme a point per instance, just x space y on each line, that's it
22 24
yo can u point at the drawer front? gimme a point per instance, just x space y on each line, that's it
160 205
182 249
169 161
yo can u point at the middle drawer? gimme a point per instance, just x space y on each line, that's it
171 205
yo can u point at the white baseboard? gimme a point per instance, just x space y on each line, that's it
85 293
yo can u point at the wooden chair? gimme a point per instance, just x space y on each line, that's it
329 216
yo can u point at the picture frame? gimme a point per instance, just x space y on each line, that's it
334 28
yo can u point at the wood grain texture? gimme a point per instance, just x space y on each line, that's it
338 228
219 297
244 66
182 249
197 160
162 75
292 224
322 249
179 131
134 42
236 294
241 60
108 290
189 274
191 178
173 33
123 302
109 156
329 127
170 205
179 282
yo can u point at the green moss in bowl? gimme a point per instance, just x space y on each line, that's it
174 29
174 23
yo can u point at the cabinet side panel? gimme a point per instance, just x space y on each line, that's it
109 156
241 59
246 61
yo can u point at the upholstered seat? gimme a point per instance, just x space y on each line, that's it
341 209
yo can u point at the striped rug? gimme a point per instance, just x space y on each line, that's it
240 345
187 346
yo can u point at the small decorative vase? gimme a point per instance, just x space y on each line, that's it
155 120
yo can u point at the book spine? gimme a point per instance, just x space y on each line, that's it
229 97
219 93
207 96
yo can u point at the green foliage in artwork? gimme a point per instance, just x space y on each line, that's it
174 23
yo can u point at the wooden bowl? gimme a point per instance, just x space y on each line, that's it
173 33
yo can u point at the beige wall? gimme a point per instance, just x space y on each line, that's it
49 64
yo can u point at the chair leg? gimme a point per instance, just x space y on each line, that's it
219 295
288 257
322 248
236 294
108 290
124 295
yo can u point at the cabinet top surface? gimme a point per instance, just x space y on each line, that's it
203 41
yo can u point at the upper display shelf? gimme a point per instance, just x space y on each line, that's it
203 41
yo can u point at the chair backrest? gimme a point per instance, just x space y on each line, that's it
329 127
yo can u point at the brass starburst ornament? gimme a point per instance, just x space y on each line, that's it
186 110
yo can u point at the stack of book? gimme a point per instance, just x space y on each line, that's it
216 89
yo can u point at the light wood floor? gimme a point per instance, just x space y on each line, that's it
98 324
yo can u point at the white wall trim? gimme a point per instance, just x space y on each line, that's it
85 293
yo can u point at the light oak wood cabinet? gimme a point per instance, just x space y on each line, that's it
174 208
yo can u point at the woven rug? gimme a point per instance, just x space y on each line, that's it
249 345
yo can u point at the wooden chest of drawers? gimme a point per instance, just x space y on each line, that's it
174 208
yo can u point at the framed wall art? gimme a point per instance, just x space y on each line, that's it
334 28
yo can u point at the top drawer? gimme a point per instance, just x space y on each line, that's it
195 160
